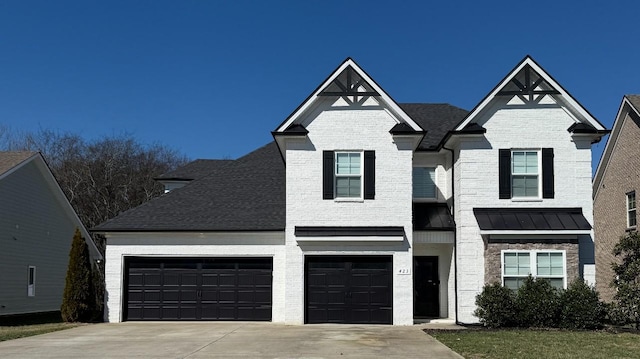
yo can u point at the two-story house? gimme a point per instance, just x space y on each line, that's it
364 210
615 185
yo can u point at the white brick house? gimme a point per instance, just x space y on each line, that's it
364 210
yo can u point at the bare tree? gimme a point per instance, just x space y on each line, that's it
101 178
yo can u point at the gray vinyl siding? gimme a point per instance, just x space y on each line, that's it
35 230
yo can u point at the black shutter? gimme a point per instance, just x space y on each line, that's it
369 174
327 174
547 173
504 165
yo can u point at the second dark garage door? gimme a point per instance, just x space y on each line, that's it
198 288
354 289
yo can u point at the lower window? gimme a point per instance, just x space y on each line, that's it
518 265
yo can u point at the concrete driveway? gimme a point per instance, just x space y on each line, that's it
228 340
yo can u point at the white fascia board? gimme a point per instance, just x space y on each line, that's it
383 96
371 239
564 96
534 232
623 111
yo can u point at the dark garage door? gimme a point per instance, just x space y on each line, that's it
349 289
198 289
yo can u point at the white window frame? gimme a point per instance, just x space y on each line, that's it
336 175
539 174
631 211
31 284
435 184
533 267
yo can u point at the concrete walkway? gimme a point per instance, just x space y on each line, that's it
229 340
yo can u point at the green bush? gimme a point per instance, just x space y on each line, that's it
78 297
626 302
496 306
580 307
537 303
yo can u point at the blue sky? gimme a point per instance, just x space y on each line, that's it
213 78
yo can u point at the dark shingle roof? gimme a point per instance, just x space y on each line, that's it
536 219
635 100
435 118
194 170
247 194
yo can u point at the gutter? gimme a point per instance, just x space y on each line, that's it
455 232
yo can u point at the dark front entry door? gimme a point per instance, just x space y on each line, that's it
198 289
354 289
426 287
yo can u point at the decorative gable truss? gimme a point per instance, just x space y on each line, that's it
529 84
351 87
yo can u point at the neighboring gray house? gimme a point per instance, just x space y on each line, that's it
37 224
615 188
364 210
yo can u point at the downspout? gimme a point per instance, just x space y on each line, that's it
455 232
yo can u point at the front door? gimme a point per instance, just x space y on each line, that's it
426 287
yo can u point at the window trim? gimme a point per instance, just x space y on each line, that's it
31 284
533 268
435 185
360 175
539 174
629 210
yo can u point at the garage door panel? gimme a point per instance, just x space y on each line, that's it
263 297
198 289
348 289
151 296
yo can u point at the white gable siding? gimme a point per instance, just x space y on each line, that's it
34 231
476 170
345 128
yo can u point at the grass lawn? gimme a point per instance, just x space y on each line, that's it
481 343
27 325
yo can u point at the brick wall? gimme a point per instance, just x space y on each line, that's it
622 174
493 251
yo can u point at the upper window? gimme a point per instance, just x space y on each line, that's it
348 174
424 182
631 209
518 265
31 282
526 174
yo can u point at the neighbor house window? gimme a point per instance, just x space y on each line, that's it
348 174
631 209
518 265
525 174
424 182
31 282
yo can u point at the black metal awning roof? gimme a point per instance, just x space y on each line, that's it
531 219
432 217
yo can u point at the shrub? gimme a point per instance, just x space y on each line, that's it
496 306
77 300
580 307
537 303
626 306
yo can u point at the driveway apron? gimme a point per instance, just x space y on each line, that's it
228 340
